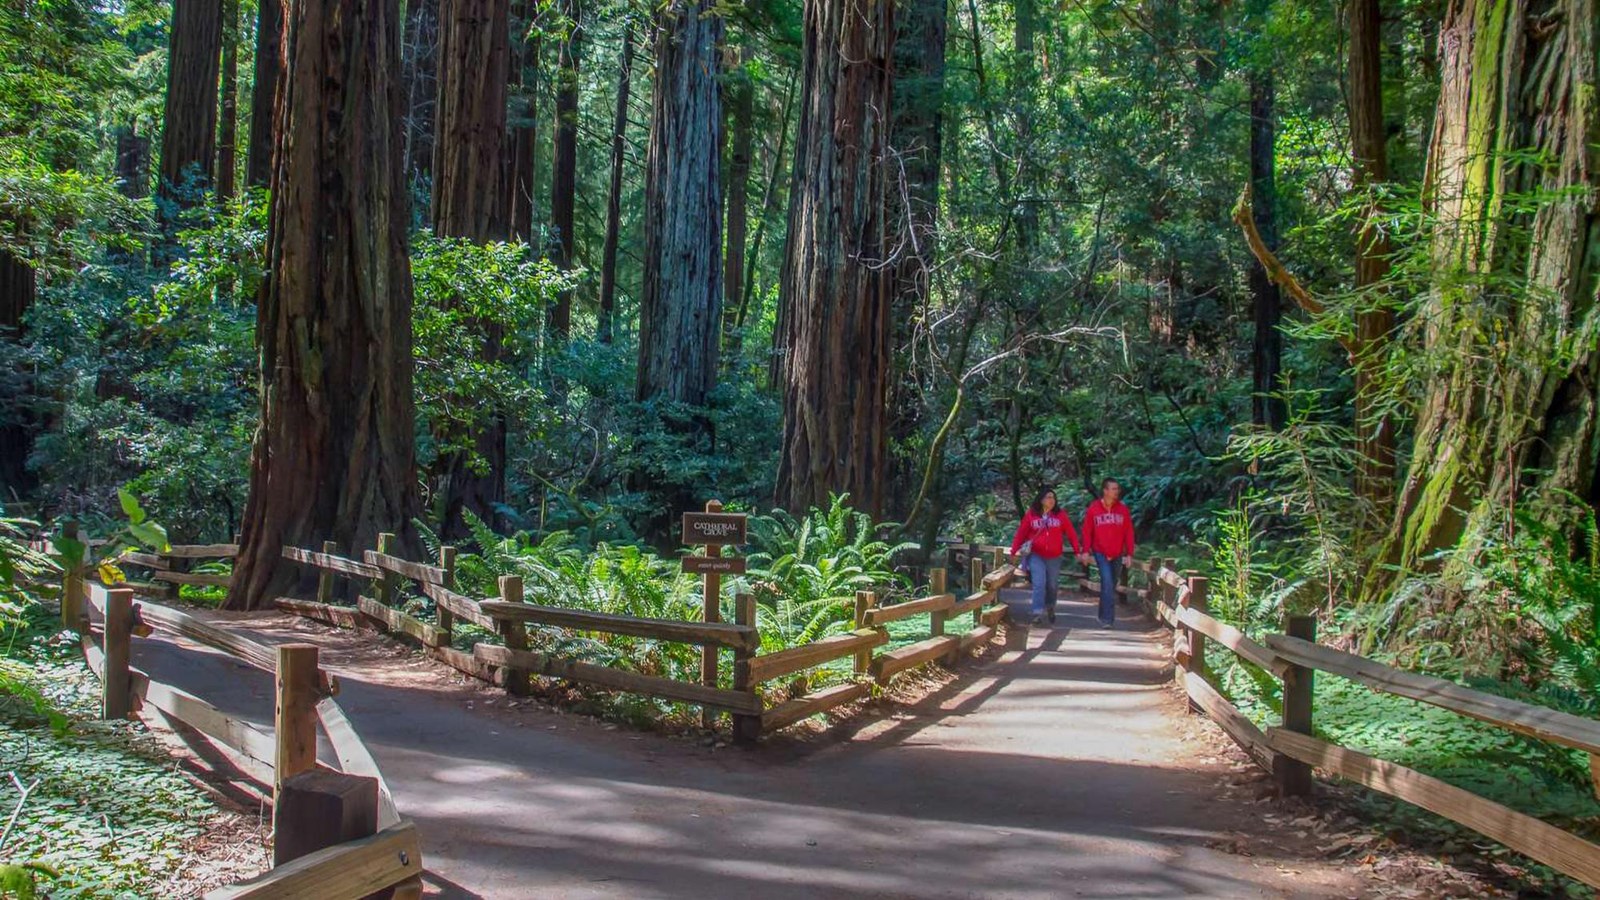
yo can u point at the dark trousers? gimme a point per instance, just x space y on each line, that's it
1110 577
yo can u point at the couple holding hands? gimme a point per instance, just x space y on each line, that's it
1046 532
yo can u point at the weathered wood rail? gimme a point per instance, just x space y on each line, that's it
336 833
1290 750
381 576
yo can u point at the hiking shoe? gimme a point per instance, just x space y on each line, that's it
1051 615
1038 619
1106 625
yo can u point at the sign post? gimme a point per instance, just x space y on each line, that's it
712 529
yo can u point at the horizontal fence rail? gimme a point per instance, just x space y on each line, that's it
1290 750
380 578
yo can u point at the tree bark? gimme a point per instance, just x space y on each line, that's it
1027 212
189 129
741 112
133 162
469 201
681 308
1509 410
18 422
263 99
228 129
1267 409
564 175
836 286
1375 320
521 168
334 456
421 66
619 153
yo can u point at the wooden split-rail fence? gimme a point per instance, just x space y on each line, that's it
1290 750
336 834
380 576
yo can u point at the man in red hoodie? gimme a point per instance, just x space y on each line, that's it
1108 537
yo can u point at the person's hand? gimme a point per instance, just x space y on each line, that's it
1083 559
1127 561
1016 558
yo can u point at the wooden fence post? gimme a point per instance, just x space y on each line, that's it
1122 586
712 613
1294 777
325 577
296 715
515 634
1198 585
865 600
116 681
321 808
447 619
388 587
936 619
72 614
975 572
746 728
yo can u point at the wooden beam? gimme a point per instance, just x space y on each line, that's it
865 601
746 727
792 711
1234 639
447 619
1294 778
912 655
342 616
199 579
1538 840
786 662
711 611
201 551
415 571
980 635
343 872
886 614
118 644
937 617
993 615
1524 718
972 603
399 623
513 632
331 562
459 605
1227 716
710 634
322 808
244 649
237 735
999 578
354 757
296 715
618 679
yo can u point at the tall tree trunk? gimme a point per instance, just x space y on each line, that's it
835 289
564 175
263 99
1375 433
421 66
917 140
18 421
469 201
619 153
1267 408
228 129
189 129
741 110
133 162
1027 212
334 455
521 169
1509 411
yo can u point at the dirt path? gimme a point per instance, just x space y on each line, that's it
1058 769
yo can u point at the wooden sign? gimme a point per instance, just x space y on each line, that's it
714 565
717 529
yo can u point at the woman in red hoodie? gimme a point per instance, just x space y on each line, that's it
1108 536
1047 532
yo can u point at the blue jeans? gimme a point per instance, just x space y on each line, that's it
1110 576
1045 574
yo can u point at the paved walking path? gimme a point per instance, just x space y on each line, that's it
1058 769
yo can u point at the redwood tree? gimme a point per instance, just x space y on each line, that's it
619 157
470 201
189 129
334 455
1508 415
263 100
681 307
836 288
228 130
523 118
1266 299
564 177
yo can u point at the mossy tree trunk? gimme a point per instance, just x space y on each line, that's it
838 280
334 456
1508 416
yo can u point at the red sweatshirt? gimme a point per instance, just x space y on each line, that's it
1108 531
1050 533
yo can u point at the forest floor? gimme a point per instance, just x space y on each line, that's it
1062 765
